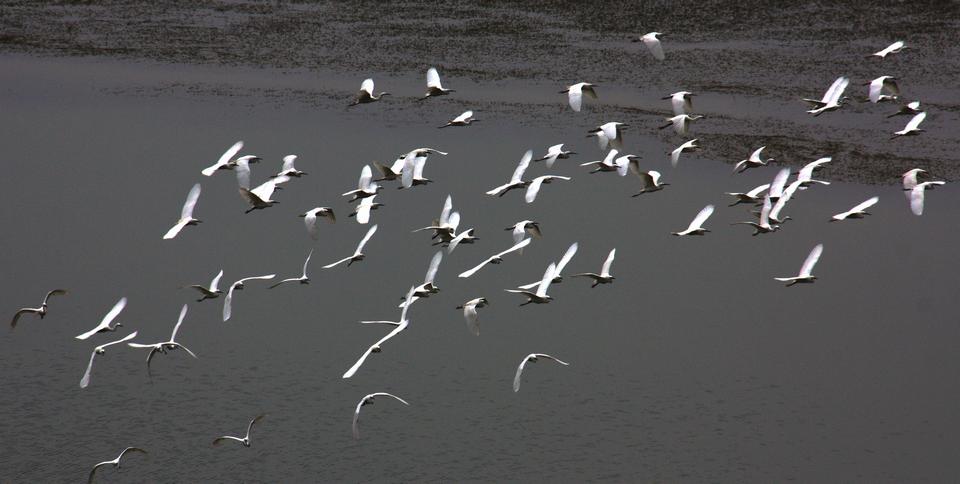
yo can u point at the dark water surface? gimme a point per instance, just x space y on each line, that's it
693 366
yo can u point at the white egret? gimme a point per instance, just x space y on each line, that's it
239 286
575 94
358 254
224 163
540 296
681 102
778 184
831 100
696 226
531 358
368 400
753 162
681 123
557 274
894 48
434 88
464 119
186 213
612 134
912 127
763 226
310 219
99 350
650 179
288 170
516 180
524 227
495 259
211 292
444 227
377 347
104 325
535 184
246 439
40 311
366 187
470 313
688 146
412 173
652 42
362 212
608 163
115 462
303 279
465 237
554 153
858 211
428 287
604 277
806 270
366 95
753 196
910 109
881 84
805 175
164 346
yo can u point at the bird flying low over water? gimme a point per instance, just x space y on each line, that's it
226 161
534 188
358 254
696 226
104 325
362 212
554 153
115 462
609 134
464 119
434 88
368 400
575 94
366 95
753 196
913 126
883 84
211 292
688 146
428 287
40 311
753 162
681 123
831 100
303 279
531 358
239 286
470 313
681 102
604 277
806 271
858 211
246 439
288 171
310 219
186 214
894 48
164 346
496 258
652 42
366 187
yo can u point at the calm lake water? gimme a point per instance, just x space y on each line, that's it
695 365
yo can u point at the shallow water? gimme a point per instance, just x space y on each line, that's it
693 366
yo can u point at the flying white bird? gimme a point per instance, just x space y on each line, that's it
246 439
310 219
444 227
115 462
104 325
465 237
778 184
785 197
858 211
681 123
831 100
40 311
575 94
377 347
753 196
303 279
164 346
609 163
470 313
916 195
211 292
609 134
225 161
428 287
186 214
682 102
696 226
412 173
557 274
532 358
535 184
806 270
365 186
805 175
910 180
516 181
365 95
99 350
434 88
524 227
763 226
368 400
259 197
650 179
910 108
653 43
554 153
893 48
288 170
540 296
464 119
881 84
358 254
238 286
604 277
496 258
363 209
752 162
912 127
688 146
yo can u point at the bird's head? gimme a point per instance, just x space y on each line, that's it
99 350
376 349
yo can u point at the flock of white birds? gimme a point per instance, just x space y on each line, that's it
408 170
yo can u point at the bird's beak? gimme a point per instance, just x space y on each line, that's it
302 215
667 97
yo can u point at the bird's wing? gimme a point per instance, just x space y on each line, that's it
407 301
575 98
434 265
85 380
463 117
518 233
105 322
183 314
418 164
865 204
224 159
454 221
445 212
130 449
356 366
571 251
385 394
433 78
701 217
408 172
310 222
356 418
835 90
548 276
243 174
654 177
341 261
473 271
121 340
220 440
366 175
609 130
521 167
811 261
779 181
755 156
256 419
916 199
542 355
653 44
309 255
178 345
588 90
216 281
609 262
55 292
94 470
758 190
191 202
499 189
367 85
516 378
470 315
533 189
365 239
765 211
265 190
675 155
363 210
915 121
288 162
529 286
519 245
228 304
876 86
456 240
175 229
